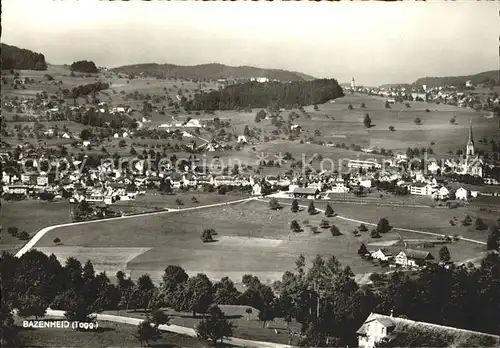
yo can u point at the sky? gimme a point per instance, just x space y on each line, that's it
375 42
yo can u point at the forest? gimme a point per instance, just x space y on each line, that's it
269 94
22 59
84 66
330 311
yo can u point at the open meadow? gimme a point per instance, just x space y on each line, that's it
29 215
250 238
107 335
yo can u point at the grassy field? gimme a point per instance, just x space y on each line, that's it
245 326
29 215
251 239
108 335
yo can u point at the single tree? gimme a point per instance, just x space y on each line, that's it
367 121
311 209
266 315
350 107
274 204
444 254
362 251
335 231
294 226
214 327
147 332
207 235
417 121
492 242
383 226
375 234
467 220
392 129
329 210
295 206
362 228
363 105
324 223
158 317
480 225
57 240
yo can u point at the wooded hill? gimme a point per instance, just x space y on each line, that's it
207 72
22 59
263 95
483 77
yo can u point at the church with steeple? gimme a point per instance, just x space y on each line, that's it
473 164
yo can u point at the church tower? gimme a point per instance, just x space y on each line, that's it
470 144
353 84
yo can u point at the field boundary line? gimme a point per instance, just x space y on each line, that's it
372 224
31 243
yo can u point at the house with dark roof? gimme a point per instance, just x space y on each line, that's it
413 258
378 327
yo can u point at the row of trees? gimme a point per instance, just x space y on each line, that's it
262 95
325 299
90 88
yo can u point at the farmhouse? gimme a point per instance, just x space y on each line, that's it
442 193
378 326
413 258
382 255
461 194
305 192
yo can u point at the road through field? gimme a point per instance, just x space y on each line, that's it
28 246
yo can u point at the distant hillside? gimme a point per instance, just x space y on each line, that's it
458 80
22 59
210 72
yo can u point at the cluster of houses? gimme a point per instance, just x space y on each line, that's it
452 95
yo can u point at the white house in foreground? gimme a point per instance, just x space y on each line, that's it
378 327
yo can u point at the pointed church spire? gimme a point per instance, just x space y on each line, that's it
471 140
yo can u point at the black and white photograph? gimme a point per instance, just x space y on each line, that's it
260 174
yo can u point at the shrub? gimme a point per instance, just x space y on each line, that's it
208 235
392 129
375 234
335 231
314 229
274 204
57 240
295 206
294 226
13 231
194 199
362 228
23 235
329 211
324 223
